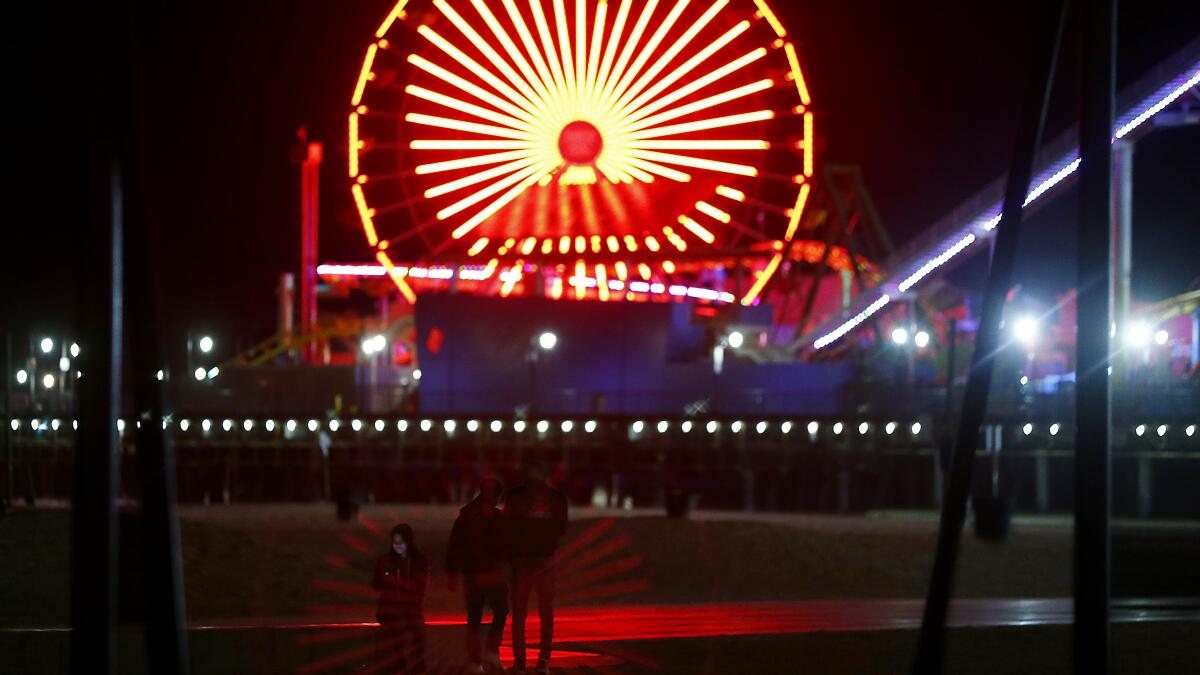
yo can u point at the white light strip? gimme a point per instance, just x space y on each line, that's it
837 333
1060 171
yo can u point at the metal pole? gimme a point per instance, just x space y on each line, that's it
6 432
930 646
947 442
1093 403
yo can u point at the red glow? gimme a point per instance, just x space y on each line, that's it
580 142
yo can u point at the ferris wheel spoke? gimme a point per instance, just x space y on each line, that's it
476 178
663 61
610 49
641 107
704 125
543 29
483 194
531 49
468 127
530 177
651 46
564 46
659 170
635 36
478 70
471 88
423 144
468 162
514 52
700 144
703 104
696 162
701 232
593 64
486 49
469 108
581 55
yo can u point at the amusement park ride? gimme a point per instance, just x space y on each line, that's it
621 151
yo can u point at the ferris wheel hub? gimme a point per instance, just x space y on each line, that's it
580 142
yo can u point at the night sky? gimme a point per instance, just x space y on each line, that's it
924 96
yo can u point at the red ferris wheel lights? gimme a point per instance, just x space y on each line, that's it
468 127
469 87
365 213
702 104
697 229
767 14
473 179
704 125
796 211
470 108
478 246
468 162
364 75
713 212
796 73
696 162
396 13
701 145
657 169
655 40
730 193
354 145
530 177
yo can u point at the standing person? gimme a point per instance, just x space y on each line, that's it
401 575
536 515
476 553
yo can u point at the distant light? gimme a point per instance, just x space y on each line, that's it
15 424
54 424
1137 335
685 426
863 428
1024 380
120 425
473 426
889 428
22 376
313 425
449 426
356 425
160 375
543 426
712 426
1027 429
374 344
1190 430
638 426
547 340
916 428
813 428
64 364
206 344
206 426
837 428
74 350
291 425
417 374
567 426
48 381
761 427
1140 429
201 373
900 336
736 427
401 425
227 425
663 426
921 339
519 426
270 425
736 339
1054 429
184 424
213 372
497 426
334 425
1025 330
47 345
248 425
1161 337
590 426
786 427
1162 430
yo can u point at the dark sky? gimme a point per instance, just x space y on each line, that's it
923 95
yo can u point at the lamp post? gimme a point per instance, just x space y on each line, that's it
543 342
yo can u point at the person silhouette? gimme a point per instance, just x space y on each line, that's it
535 517
401 575
476 553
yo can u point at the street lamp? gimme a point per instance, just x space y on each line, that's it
900 336
543 342
47 345
206 344
736 339
921 339
547 340
22 376
1025 330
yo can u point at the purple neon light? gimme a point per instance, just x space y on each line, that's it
1058 171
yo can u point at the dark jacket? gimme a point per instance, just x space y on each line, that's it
477 540
401 582
536 516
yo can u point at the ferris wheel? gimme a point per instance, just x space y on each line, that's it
581 148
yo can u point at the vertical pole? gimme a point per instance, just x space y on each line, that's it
6 432
310 168
930 646
947 437
1123 242
97 453
1093 396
